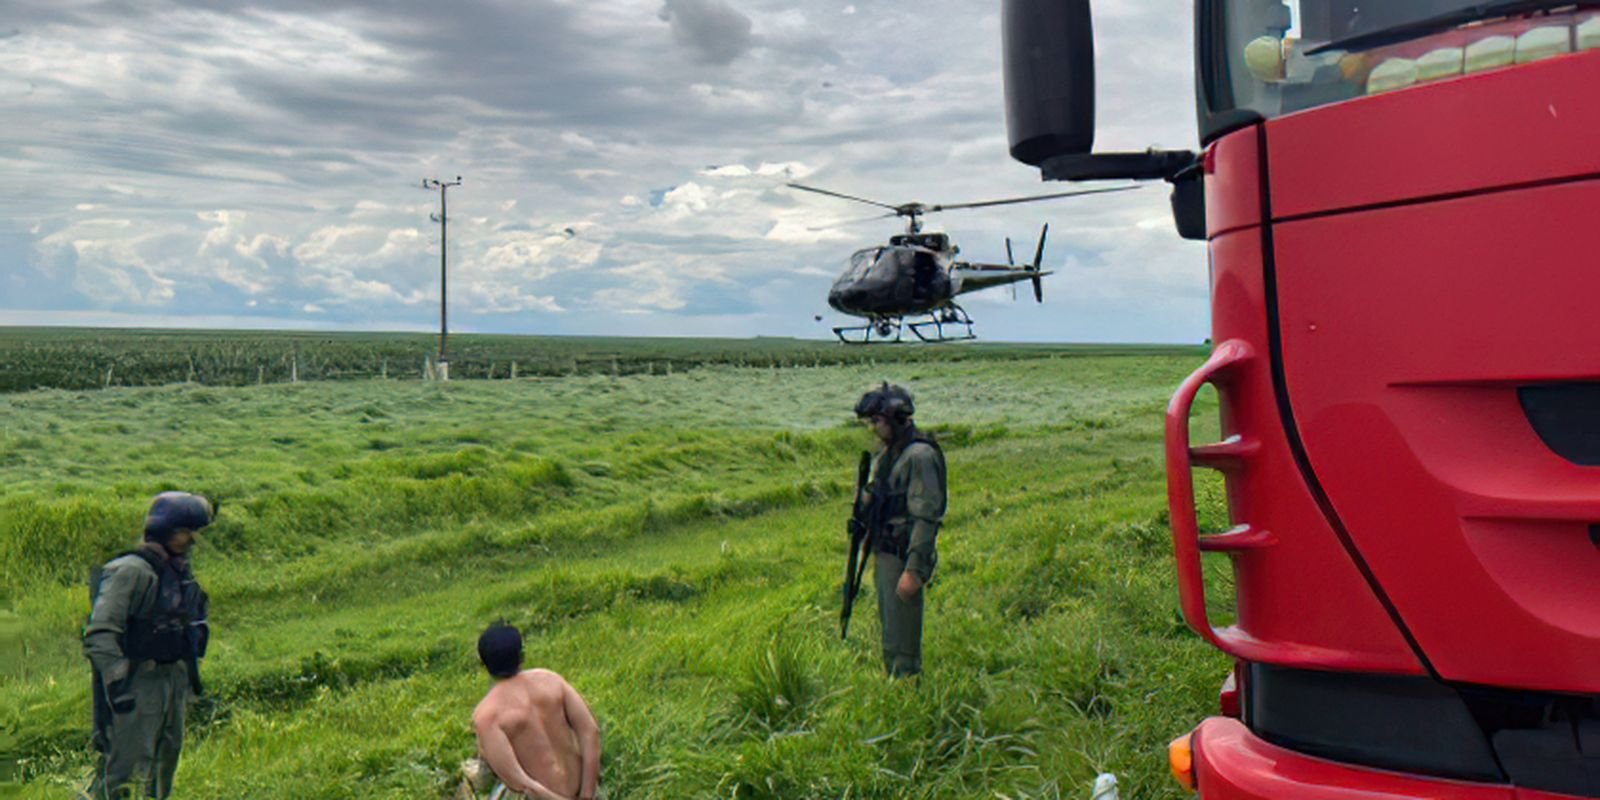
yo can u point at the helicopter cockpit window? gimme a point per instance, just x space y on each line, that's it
934 241
861 263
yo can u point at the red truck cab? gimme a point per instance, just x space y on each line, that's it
1401 201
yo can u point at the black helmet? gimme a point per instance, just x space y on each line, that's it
171 512
887 400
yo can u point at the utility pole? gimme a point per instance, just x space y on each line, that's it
443 219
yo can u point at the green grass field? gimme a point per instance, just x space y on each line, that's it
672 544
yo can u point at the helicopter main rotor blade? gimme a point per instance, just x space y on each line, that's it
1010 200
829 193
830 226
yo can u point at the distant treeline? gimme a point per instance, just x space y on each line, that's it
77 359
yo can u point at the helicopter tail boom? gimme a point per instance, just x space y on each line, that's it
975 277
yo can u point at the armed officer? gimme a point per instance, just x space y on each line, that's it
146 635
905 505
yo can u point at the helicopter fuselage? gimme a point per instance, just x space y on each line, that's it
893 280
914 274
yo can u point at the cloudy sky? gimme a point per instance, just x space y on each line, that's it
232 163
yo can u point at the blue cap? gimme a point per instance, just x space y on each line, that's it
176 511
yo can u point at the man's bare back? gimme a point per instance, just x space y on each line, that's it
539 737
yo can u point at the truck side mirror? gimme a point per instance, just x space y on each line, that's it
1049 74
1049 69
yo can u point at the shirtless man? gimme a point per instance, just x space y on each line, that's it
533 729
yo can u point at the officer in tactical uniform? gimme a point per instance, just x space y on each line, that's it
145 638
905 507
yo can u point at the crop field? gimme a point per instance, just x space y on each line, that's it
58 358
671 543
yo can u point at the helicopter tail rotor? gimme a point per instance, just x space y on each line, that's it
1038 259
1011 261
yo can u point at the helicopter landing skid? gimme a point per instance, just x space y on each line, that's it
929 327
952 315
882 331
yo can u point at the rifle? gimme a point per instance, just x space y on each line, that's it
102 701
860 532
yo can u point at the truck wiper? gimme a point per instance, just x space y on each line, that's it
1444 22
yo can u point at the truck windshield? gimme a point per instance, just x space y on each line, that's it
1273 57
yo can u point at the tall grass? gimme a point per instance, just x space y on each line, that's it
671 544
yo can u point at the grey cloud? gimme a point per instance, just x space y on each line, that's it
715 32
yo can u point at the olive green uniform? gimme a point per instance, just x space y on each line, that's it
918 473
141 748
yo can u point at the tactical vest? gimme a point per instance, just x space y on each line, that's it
889 504
176 629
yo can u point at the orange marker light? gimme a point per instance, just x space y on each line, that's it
1180 756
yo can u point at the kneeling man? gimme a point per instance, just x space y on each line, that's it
533 729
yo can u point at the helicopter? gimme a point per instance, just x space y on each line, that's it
911 283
